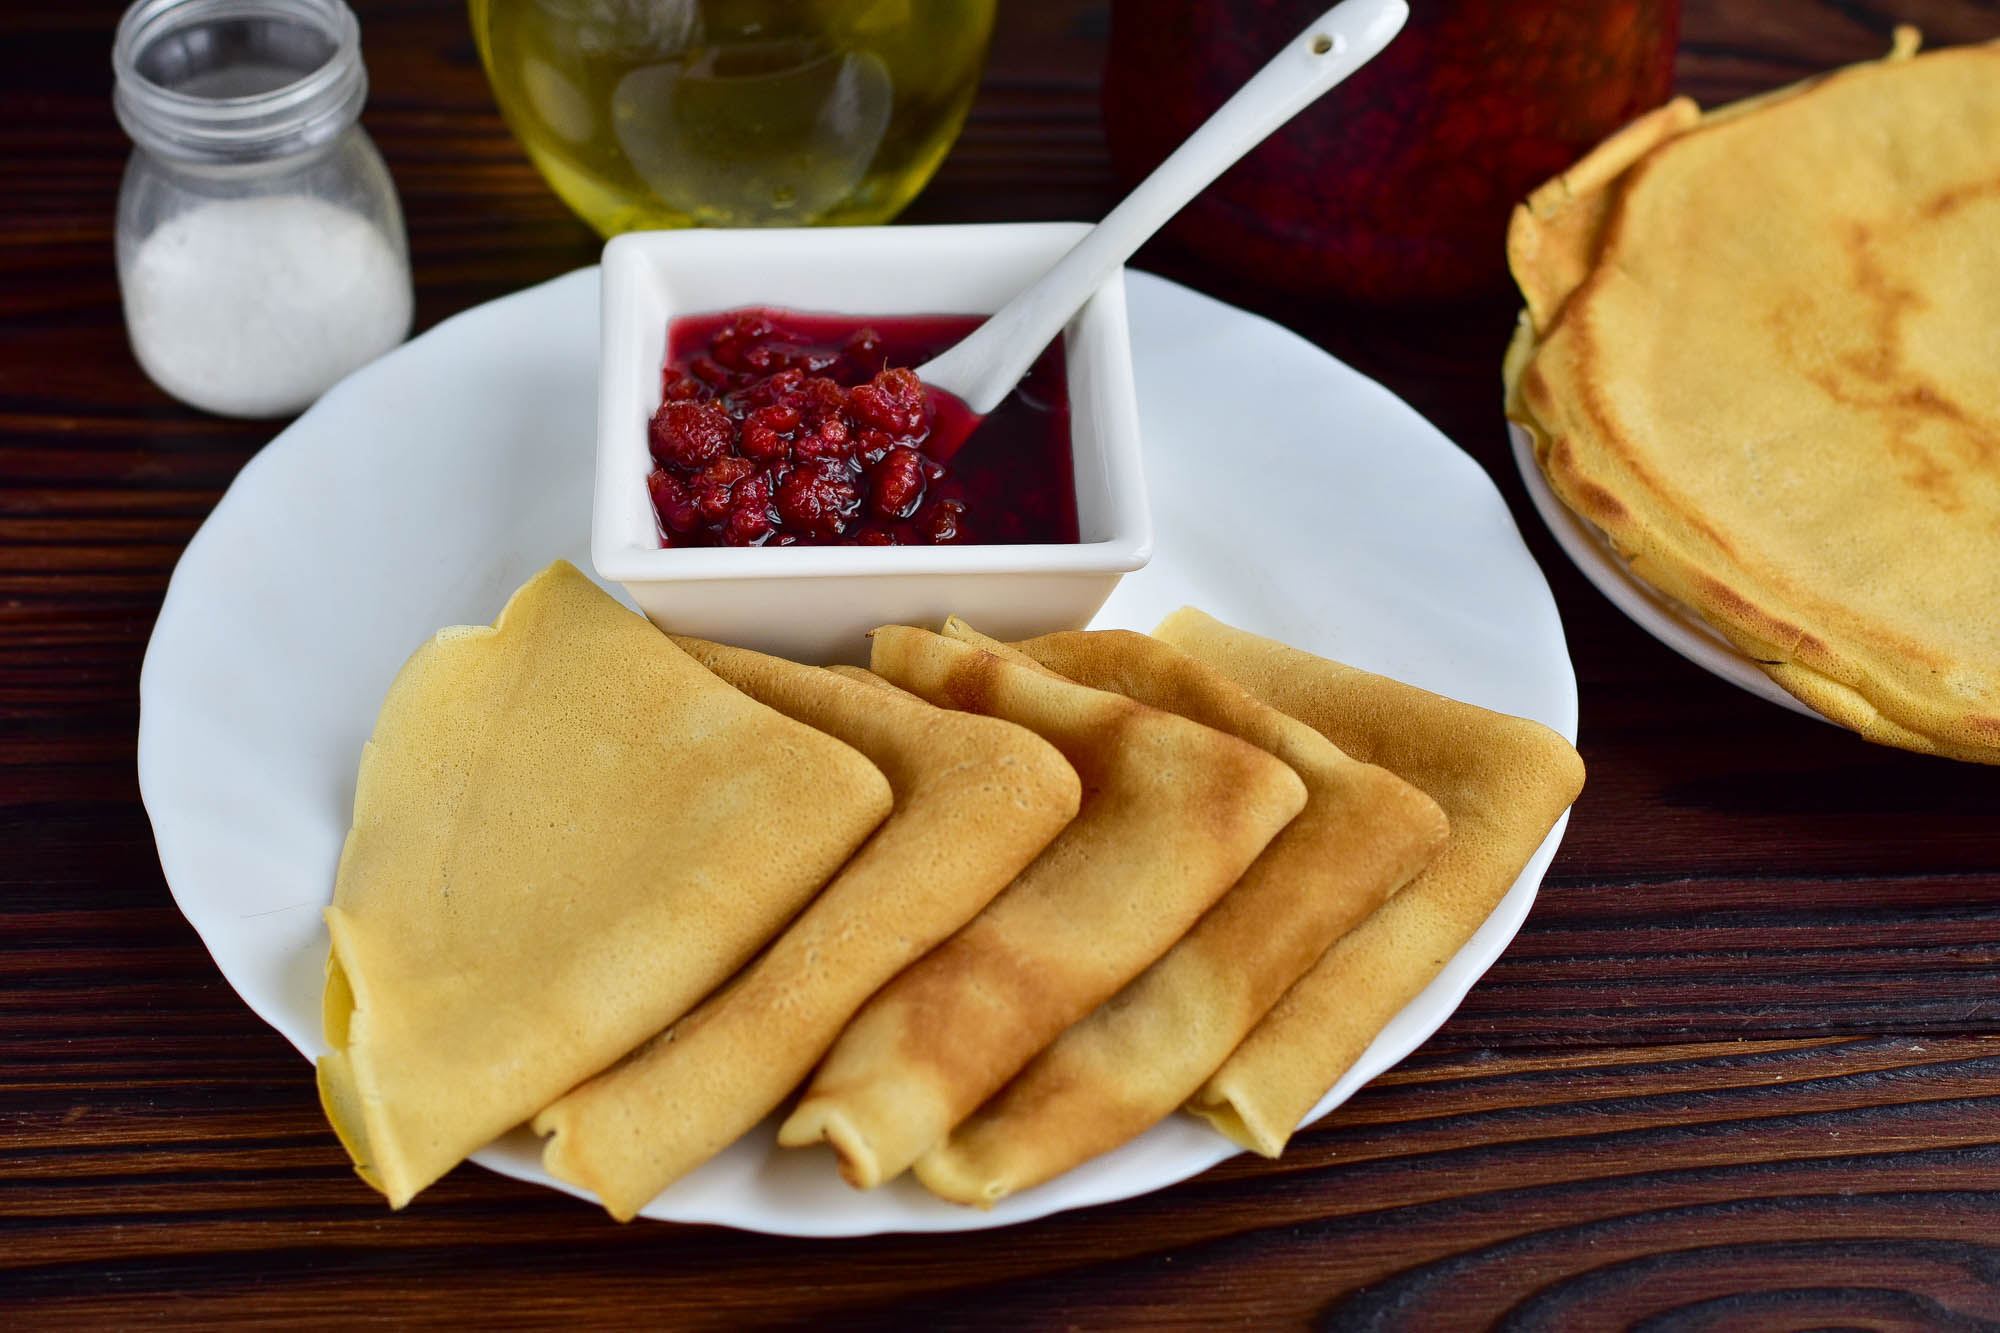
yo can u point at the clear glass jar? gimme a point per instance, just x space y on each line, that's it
261 251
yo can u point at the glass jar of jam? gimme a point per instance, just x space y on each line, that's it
1398 184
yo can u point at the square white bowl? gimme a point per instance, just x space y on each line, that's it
816 603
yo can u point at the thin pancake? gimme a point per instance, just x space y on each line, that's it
1555 235
1779 405
976 799
1135 1059
566 831
1502 783
1173 812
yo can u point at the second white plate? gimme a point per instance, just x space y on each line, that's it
1291 496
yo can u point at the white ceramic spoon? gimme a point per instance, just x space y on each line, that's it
991 360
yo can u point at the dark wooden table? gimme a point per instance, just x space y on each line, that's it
1739 1070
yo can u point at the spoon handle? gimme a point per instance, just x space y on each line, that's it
989 362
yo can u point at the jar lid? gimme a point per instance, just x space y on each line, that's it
237 81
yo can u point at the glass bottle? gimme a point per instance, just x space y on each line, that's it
261 251
734 113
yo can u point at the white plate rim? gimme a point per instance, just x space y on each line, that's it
1408 1030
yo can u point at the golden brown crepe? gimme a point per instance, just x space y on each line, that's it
566 831
1135 1059
976 799
1173 812
1758 355
1502 782
1555 235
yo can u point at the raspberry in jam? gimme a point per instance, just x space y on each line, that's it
785 429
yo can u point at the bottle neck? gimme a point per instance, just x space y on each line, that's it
237 82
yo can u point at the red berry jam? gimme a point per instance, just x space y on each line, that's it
783 429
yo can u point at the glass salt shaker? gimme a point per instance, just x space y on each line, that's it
261 252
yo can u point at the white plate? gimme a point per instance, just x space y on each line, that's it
1291 496
1671 622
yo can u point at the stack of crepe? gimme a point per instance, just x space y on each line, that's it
1758 353
998 907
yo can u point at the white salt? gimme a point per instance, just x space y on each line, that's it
255 307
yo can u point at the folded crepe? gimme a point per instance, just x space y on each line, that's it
1136 1058
1173 813
1502 783
1758 355
566 832
976 799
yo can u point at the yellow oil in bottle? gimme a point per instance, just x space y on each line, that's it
734 113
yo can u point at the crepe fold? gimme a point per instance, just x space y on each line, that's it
1135 1059
566 832
1173 813
976 799
1758 355
1502 782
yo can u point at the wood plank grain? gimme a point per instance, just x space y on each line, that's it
1736 1072
1434 1182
